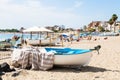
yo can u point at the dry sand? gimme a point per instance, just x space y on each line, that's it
105 66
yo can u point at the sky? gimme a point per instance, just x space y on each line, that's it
70 13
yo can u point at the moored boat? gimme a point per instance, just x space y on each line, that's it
68 56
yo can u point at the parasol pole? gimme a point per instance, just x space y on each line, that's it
62 40
30 35
50 39
40 39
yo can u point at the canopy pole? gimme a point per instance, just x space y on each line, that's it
30 35
62 41
50 39
22 39
40 39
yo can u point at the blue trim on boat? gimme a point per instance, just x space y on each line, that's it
67 51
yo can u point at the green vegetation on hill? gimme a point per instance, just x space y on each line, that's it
9 30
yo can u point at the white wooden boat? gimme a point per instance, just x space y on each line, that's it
76 59
68 56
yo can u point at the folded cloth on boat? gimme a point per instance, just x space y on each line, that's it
37 58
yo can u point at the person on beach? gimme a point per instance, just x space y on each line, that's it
89 37
15 38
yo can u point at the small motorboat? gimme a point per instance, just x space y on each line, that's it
68 56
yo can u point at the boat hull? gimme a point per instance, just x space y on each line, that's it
76 59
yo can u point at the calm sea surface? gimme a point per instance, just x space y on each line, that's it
4 36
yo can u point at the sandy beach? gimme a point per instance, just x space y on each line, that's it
105 66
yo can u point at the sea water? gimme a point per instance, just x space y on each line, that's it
7 36
4 36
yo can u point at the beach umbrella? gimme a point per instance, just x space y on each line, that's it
65 35
43 29
32 29
37 29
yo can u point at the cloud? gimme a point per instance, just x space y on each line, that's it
34 13
77 4
4 1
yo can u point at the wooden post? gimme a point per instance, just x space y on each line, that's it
50 40
22 39
30 35
40 42
40 39
62 41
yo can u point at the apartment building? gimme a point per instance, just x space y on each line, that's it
105 25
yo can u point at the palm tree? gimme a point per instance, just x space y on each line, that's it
85 28
119 27
113 21
114 18
97 25
21 29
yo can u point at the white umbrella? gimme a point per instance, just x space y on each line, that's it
67 34
32 29
45 30
37 29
